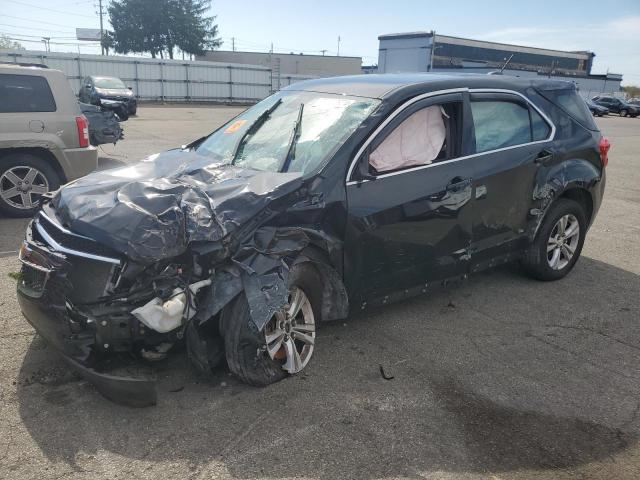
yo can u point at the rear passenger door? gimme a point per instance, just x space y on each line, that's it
512 141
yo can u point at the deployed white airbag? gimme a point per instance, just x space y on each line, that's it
416 141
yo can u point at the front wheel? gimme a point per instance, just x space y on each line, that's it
559 241
287 342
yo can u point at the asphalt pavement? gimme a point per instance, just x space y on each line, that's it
500 377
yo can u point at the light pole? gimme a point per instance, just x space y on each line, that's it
101 27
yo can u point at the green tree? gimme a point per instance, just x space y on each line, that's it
6 42
159 26
633 91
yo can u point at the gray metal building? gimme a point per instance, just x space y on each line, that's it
428 51
290 63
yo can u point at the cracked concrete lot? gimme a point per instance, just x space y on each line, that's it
501 377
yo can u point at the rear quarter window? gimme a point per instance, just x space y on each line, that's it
25 93
572 104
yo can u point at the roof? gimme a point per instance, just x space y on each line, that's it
18 69
388 36
383 85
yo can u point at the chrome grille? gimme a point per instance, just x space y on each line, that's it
61 239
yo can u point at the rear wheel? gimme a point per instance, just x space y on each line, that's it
559 242
287 342
23 179
623 112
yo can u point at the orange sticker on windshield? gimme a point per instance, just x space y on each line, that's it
235 126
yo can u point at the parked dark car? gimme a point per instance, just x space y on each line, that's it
108 92
331 196
617 105
596 110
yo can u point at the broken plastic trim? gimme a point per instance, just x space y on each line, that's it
132 392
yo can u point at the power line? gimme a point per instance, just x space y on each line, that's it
37 21
35 36
50 9
35 28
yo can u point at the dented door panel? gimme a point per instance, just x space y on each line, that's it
408 229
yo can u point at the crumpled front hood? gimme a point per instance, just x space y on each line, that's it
153 209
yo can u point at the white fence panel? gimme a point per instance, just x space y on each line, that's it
161 79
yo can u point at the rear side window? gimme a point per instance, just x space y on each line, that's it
25 93
540 129
573 105
500 124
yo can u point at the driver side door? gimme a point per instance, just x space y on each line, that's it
412 225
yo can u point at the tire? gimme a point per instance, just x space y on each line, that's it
133 111
19 166
623 112
537 260
246 348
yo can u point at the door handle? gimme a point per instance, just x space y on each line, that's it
457 183
544 157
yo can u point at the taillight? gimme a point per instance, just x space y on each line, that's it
83 131
604 151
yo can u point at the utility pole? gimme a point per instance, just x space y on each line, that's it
233 44
101 26
338 45
323 52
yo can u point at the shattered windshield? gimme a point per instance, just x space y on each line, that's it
108 82
288 132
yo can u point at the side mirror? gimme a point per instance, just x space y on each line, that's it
130 88
362 171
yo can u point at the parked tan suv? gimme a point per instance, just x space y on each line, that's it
44 138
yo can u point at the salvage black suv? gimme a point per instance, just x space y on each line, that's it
330 195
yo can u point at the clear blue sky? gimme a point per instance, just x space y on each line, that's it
610 28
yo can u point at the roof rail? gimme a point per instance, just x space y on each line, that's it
21 64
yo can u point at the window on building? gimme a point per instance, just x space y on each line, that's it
25 93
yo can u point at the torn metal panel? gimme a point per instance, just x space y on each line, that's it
104 125
154 209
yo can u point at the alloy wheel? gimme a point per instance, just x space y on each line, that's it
22 186
290 334
563 241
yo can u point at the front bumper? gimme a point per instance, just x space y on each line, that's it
43 295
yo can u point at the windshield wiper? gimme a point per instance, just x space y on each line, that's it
295 136
255 126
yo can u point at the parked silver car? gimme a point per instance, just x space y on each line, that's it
44 138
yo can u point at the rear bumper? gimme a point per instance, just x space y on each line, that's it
79 162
